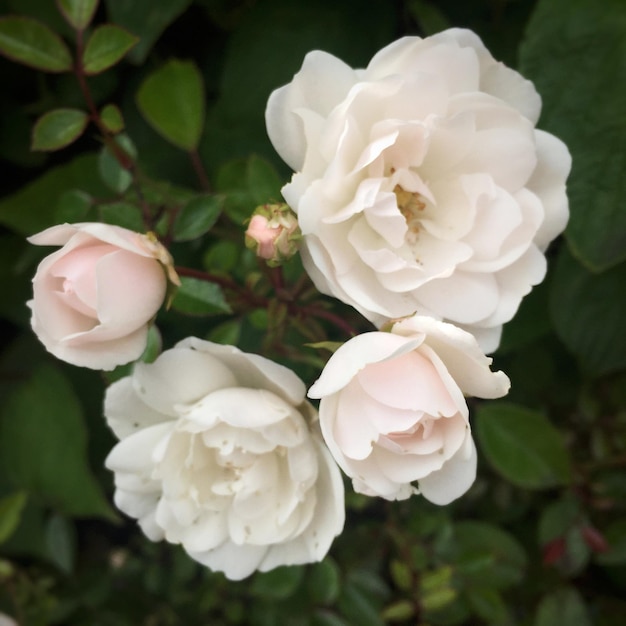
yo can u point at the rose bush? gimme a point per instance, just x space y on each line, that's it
422 184
93 299
220 452
393 410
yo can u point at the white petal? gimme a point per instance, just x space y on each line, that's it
321 83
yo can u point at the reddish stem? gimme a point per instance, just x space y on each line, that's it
198 168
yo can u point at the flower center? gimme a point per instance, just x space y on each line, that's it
410 205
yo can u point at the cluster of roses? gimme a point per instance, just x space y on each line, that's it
426 199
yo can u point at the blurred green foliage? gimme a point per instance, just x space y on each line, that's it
180 93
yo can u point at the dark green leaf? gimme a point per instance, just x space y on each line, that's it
61 542
122 214
10 513
324 582
278 583
197 217
33 207
615 536
72 206
112 118
78 13
428 16
32 43
564 606
357 606
227 333
558 518
523 446
43 445
487 556
588 312
199 297
172 101
59 128
147 19
263 181
591 44
107 46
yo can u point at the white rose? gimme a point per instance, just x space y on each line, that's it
94 299
220 452
422 184
393 411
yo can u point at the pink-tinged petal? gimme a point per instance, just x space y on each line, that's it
461 354
125 412
355 354
455 477
321 83
352 431
130 290
548 182
408 381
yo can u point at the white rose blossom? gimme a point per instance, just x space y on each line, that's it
220 452
421 182
94 299
393 410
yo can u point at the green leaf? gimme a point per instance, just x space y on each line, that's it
247 183
591 43
59 128
32 43
199 297
399 611
78 13
111 117
114 175
588 312
43 445
488 604
197 217
487 556
11 513
147 19
107 46
172 101
34 206
564 606
523 446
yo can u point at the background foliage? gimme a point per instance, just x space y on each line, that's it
178 88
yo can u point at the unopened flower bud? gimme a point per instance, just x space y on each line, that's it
273 233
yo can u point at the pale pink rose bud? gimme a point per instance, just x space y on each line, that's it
273 233
94 299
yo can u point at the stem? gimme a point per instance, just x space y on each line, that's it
198 168
331 317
